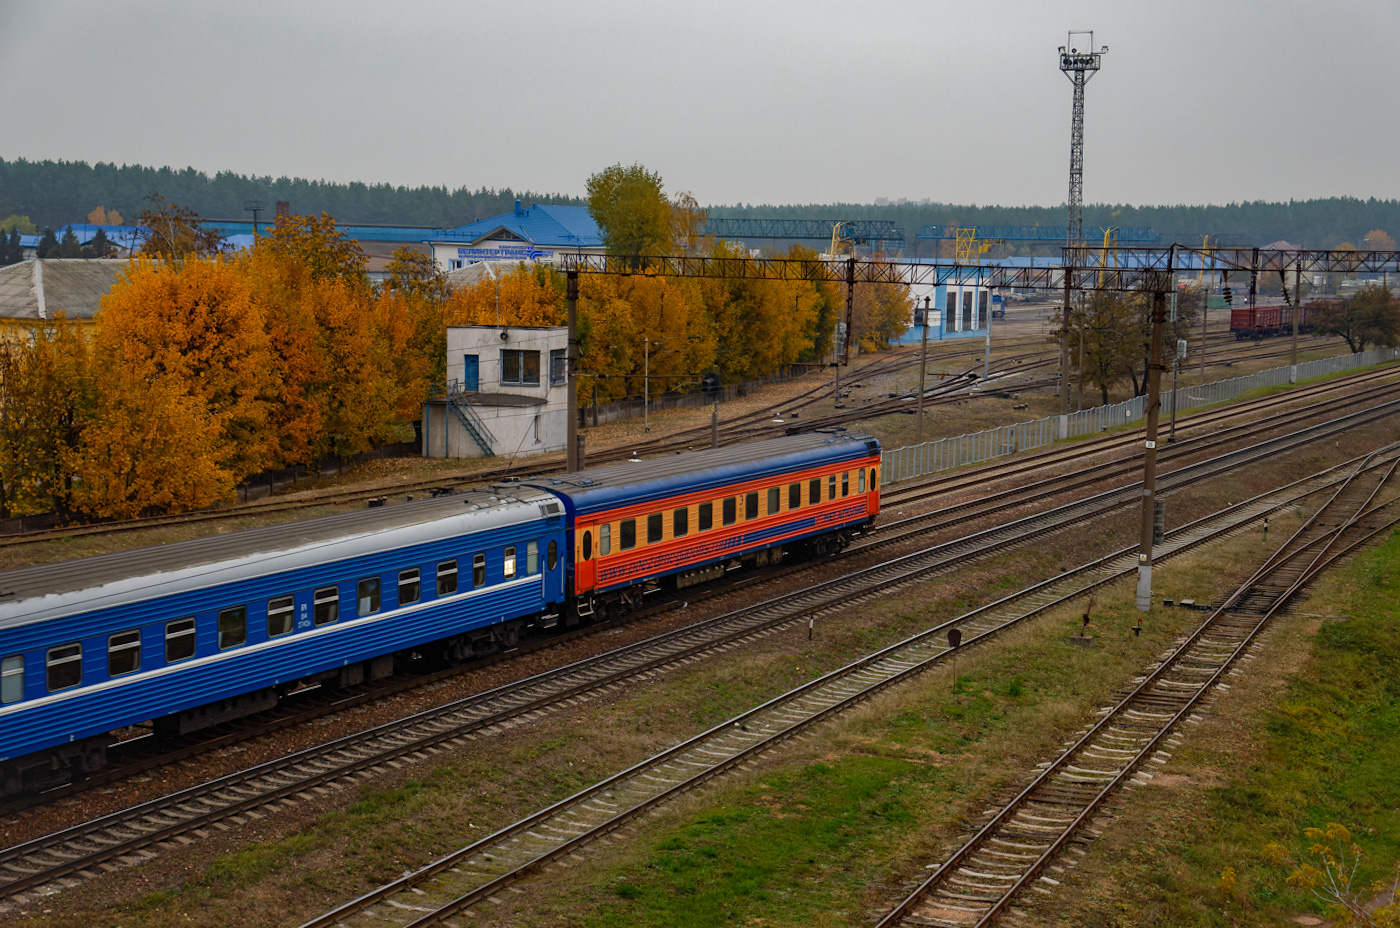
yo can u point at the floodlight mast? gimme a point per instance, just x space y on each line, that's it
1078 66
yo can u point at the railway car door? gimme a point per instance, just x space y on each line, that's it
586 559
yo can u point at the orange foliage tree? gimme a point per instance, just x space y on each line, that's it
45 395
150 447
194 330
524 295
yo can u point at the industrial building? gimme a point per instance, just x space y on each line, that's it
537 233
506 393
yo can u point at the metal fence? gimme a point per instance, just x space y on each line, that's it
949 453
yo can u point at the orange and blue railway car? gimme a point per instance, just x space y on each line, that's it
685 519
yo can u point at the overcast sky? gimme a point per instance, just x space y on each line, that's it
1199 101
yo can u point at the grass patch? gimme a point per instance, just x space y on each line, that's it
1326 750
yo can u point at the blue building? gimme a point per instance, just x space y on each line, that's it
531 233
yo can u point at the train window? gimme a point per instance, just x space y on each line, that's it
65 666
179 640
551 555
588 546
604 540
814 491
478 570
653 528
751 506
11 679
325 603
846 483
730 510
124 653
281 614
447 578
628 534
831 487
707 516
860 487
409 586
233 627
508 563
873 482
680 523
775 501
532 557
794 495
367 596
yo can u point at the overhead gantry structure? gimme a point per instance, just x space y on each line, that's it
878 234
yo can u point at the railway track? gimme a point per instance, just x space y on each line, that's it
475 873
132 832
1010 853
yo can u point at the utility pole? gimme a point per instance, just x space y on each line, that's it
1297 309
254 207
923 367
1078 66
572 434
1205 312
987 355
1149 465
1064 350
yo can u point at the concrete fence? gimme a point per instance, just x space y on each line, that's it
949 453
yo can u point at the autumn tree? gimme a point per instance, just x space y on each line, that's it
17 223
104 217
880 314
1369 317
688 225
630 206
1105 340
319 245
150 447
175 233
45 393
1379 240
415 272
524 295
354 364
195 329
360 396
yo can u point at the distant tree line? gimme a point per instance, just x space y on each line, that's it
1325 223
55 193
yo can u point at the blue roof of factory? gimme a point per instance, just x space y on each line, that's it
558 226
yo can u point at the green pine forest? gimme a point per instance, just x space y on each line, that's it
55 193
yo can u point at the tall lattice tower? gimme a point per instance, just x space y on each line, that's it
1078 66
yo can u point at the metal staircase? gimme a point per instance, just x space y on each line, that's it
476 428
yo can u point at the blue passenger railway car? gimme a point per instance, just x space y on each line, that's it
685 519
194 633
